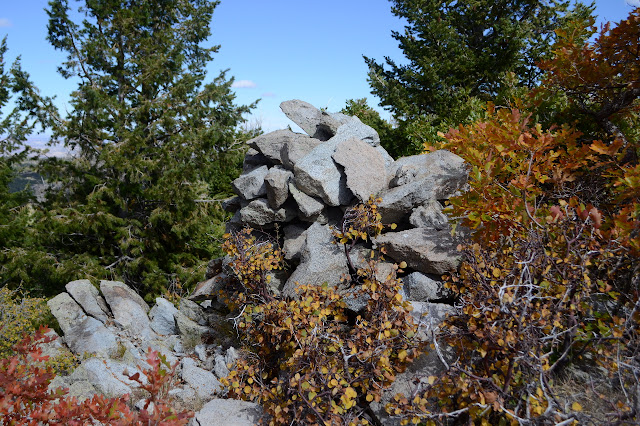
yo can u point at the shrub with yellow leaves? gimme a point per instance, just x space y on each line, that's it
308 359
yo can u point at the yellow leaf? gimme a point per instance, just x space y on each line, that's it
393 226
403 264
576 406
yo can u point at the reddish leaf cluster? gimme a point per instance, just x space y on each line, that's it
25 398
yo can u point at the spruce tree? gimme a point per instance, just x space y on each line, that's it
151 142
458 55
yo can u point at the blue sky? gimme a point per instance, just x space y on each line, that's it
276 49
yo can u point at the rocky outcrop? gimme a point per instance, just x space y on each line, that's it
111 330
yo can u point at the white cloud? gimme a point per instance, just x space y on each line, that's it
4 22
244 84
633 2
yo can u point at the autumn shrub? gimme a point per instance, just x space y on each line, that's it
25 398
549 283
18 315
310 359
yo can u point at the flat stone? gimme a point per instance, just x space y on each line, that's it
425 250
90 336
294 150
66 311
271 144
417 167
85 294
107 378
208 289
251 185
162 317
192 310
277 184
308 205
258 213
294 240
317 124
398 202
363 166
429 215
202 381
128 308
355 128
318 175
228 412
421 288
321 261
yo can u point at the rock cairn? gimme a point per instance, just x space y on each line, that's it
302 184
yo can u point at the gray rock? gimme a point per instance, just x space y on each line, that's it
258 213
228 412
271 144
85 294
189 328
128 308
82 390
429 215
209 289
107 376
204 382
318 175
186 394
254 159
293 151
417 167
162 317
398 202
317 124
421 288
220 366
66 311
90 336
192 310
294 239
233 204
251 185
277 184
308 205
363 166
354 128
321 261
425 250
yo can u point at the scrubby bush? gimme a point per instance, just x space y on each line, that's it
25 398
309 359
549 286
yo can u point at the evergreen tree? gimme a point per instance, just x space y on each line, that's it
26 112
152 142
458 55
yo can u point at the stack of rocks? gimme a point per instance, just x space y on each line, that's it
303 183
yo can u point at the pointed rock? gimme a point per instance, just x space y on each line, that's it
317 124
251 185
89 298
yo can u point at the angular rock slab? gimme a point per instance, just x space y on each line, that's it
421 288
308 205
321 261
354 128
277 185
425 250
398 202
251 185
91 336
128 308
363 166
429 215
318 175
108 378
66 311
293 151
259 213
417 167
228 412
162 317
272 145
204 382
317 124
89 299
